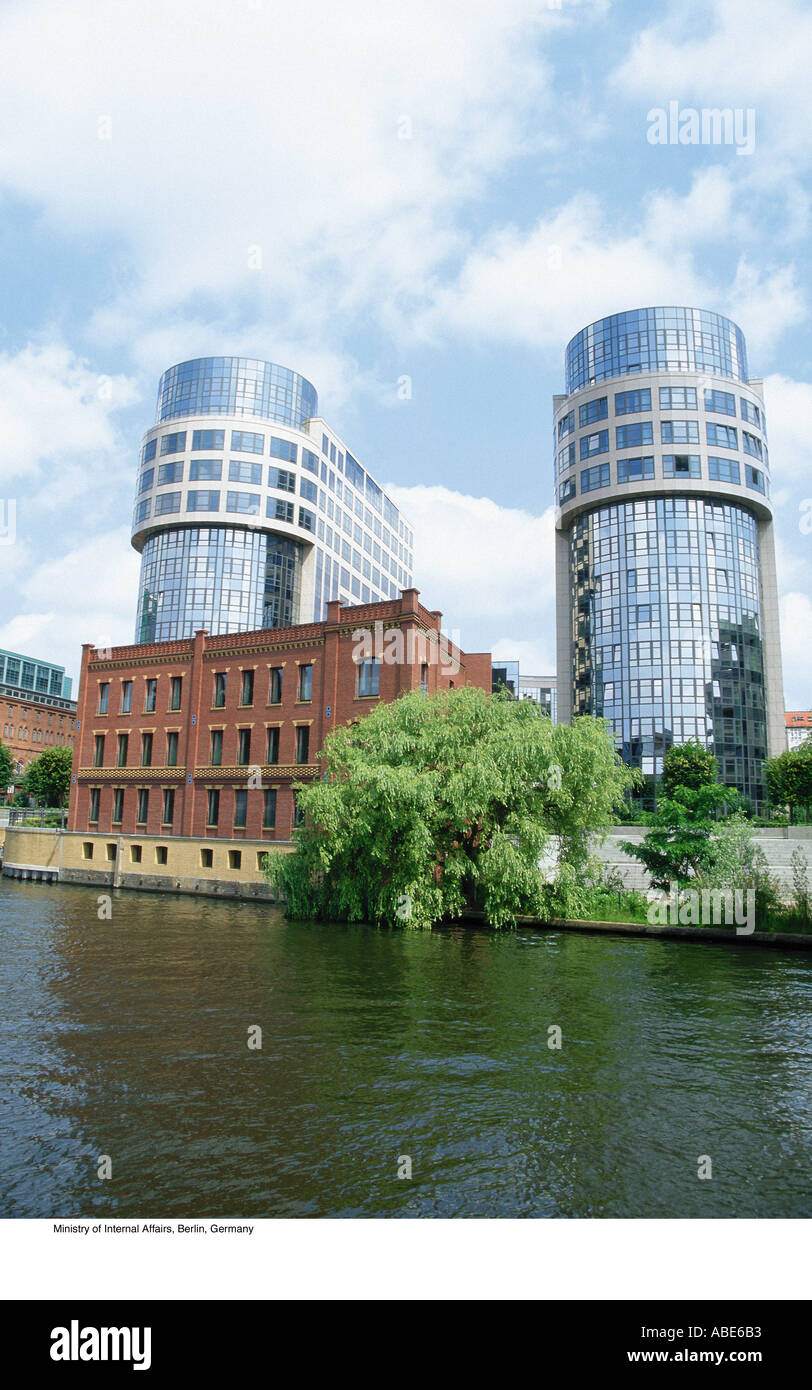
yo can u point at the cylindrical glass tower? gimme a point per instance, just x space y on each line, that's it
249 511
665 577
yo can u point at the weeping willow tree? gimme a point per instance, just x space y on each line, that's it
431 805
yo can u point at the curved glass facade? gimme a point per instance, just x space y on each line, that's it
666 631
237 386
222 578
662 339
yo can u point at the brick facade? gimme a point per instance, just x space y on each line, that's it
31 723
229 748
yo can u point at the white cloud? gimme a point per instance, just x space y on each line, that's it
89 594
730 54
55 409
796 626
490 567
248 125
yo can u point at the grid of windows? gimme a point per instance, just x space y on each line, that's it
241 471
679 431
592 478
218 386
592 411
720 402
723 470
723 436
668 338
222 578
629 402
283 449
632 436
682 466
633 469
678 398
202 501
237 386
686 660
592 444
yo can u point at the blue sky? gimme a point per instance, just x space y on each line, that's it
443 191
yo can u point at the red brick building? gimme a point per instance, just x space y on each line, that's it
204 737
32 723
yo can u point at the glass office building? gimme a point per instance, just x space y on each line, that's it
27 675
250 512
665 569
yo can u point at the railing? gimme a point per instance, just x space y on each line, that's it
49 816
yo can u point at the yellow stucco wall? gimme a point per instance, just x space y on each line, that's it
77 857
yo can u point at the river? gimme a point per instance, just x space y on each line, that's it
126 1040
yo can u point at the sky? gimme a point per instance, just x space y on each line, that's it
416 205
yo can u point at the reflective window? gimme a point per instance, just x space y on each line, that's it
170 472
723 470
208 439
246 503
142 511
751 444
723 436
310 461
173 443
281 478
592 411
308 490
307 519
167 502
205 470
755 478
592 444
566 490
629 402
665 338
633 469
240 471
679 431
566 424
279 510
631 436
244 442
592 478
750 412
720 402
150 449
283 449
241 386
368 678
146 480
681 466
206 501
678 398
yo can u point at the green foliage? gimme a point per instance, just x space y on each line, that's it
594 893
6 767
689 765
800 884
47 778
738 862
680 845
431 805
789 778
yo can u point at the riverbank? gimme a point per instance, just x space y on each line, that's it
696 935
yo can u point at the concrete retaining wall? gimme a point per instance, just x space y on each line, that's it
135 861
